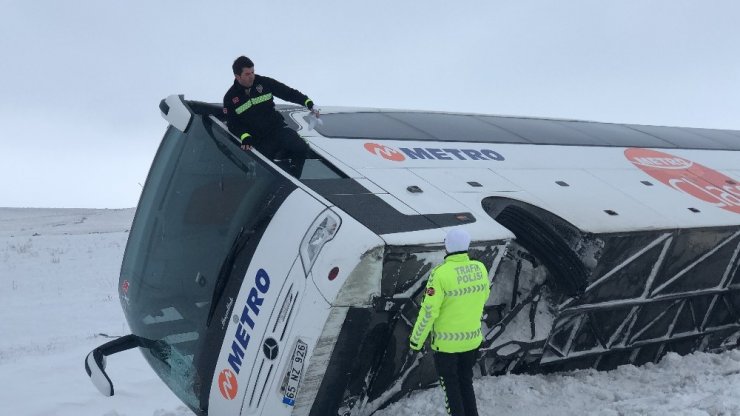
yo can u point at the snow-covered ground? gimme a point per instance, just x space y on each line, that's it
58 300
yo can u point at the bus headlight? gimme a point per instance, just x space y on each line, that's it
323 229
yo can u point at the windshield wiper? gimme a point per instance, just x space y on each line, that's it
227 267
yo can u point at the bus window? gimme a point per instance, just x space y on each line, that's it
202 194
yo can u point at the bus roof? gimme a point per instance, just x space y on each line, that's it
458 127
391 124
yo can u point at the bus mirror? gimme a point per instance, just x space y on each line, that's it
95 361
95 367
176 112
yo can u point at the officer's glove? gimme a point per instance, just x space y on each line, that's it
417 349
414 355
313 119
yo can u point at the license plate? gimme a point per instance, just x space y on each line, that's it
296 371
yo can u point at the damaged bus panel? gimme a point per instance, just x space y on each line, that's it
253 292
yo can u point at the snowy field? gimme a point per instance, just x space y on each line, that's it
58 300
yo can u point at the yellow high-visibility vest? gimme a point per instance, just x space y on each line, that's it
453 304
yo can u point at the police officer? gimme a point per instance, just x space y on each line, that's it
252 118
452 309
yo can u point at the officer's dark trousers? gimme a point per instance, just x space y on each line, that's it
456 378
284 143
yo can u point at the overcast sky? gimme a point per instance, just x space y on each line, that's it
80 81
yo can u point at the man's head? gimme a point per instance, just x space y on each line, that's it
457 240
243 68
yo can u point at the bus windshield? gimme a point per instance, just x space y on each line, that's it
202 202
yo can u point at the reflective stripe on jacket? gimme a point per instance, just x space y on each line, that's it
453 304
250 112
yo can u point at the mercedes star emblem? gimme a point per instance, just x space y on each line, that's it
270 348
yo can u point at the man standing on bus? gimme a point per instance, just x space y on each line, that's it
451 310
252 118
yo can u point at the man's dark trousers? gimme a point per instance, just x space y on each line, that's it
456 376
284 143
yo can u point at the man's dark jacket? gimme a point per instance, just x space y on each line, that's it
250 112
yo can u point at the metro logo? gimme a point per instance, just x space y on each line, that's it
384 151
227 384
250 312
688 177
663 162
431 153
227 381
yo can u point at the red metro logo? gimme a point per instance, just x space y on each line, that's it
227 384
385 152
688 177
431 153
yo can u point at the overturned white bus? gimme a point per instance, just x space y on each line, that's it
251 292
